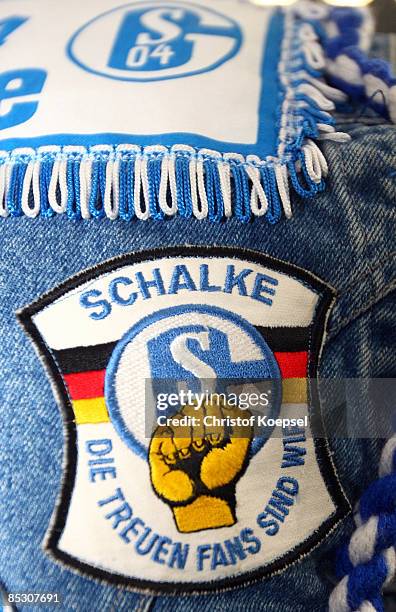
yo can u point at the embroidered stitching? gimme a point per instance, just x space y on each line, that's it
103 576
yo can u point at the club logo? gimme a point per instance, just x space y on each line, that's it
189 343
155 41
187 494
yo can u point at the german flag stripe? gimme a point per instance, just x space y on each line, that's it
294 391
91 410
86 385
86 389
85 358
95 358
284 339
94 409
293 365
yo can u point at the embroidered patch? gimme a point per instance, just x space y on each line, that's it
167 509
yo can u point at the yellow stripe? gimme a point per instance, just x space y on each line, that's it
294 391
90 411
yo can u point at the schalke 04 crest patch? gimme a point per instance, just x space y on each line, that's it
148 501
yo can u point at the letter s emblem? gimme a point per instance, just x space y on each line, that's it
155 21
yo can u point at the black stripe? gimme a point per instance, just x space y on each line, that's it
85 358
286 339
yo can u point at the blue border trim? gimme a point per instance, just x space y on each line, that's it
110 391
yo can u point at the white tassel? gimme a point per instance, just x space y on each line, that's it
198 212
336 95
314 55
336 137
202 200
258 199
85 174
316 95
315 161
225 182
141 184
109 205
58 177
26 187
168 179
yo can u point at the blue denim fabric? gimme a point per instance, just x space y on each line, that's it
346 236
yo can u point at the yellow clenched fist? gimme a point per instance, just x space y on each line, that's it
195 468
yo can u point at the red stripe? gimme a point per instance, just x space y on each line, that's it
85 385
293 365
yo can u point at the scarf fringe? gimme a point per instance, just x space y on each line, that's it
129 181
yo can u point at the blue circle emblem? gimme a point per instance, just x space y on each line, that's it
155 41
188 343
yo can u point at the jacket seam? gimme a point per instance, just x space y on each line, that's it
358 218
378 263
356 313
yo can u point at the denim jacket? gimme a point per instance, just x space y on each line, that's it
260 276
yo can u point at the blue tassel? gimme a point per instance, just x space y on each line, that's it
312 189
14 193
213 191
270 188
241 193
365 579
127 176
184 201
154 178
73 188
46 168
343 563
96 195
379 497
